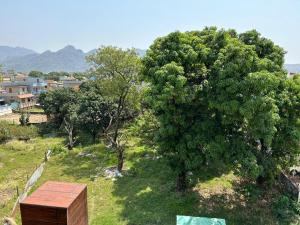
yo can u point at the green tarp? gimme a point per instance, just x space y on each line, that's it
189 220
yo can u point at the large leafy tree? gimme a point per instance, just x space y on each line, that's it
57 103
94 111
117 72
219 95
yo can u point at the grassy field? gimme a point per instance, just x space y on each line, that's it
18 159
146 195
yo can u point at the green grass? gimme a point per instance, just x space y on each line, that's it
146 194
18 159
35 110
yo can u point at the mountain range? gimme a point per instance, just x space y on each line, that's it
68 59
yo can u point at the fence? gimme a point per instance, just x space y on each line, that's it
30 182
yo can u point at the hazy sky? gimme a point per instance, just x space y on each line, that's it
87 24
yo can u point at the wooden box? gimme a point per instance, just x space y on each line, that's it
56 203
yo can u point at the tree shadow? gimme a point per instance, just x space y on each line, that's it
88 162
148 196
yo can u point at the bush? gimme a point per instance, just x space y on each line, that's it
286 208
58 149
4 134
24 119
12 131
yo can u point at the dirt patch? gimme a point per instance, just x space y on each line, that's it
34 118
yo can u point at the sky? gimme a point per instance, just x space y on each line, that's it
87 24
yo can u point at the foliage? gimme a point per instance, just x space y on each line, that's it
24 118
12 131
4 134
94 110
117 72
220 95
144 126
70 121
286 208
80 75
56 103
56 75
58 149
37 74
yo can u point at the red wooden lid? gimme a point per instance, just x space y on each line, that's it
55 194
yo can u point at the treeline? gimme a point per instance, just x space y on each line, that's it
216 95
57 75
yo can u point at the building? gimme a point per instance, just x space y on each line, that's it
74 84
71 82
25 101
52 85
24 93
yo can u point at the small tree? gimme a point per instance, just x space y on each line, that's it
117 71
24 118
93 110
56 103
69 124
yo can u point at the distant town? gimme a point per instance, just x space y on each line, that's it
20 90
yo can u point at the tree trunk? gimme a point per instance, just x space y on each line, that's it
120 159
181 185
71 142
94 137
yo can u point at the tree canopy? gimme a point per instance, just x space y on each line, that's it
117 72
222 95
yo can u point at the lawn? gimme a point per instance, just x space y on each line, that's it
146 195
18 159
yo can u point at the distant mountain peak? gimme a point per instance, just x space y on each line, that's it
68 59
7 52
68 47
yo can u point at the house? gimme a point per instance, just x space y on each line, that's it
71 82
26 101
12 89
37 85
74 84
52 85
24 93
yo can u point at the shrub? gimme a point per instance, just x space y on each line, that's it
4 134
285 208
58 149
13 131
24 119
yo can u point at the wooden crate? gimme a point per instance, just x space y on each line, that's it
56 203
